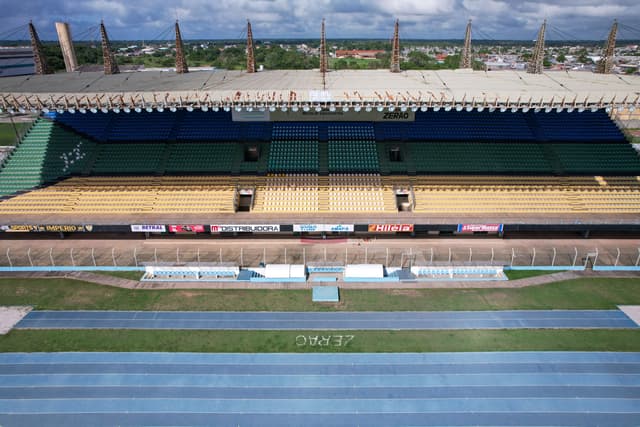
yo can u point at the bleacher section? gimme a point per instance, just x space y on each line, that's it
446 163
291 156
437 195
292 193
359 156
614 159
208 126
461 126
333 194
577 127
525 195
288 131
94 125
142 126
111 195
350 132
352 148
201 157
460 157
128 158
359 193
470 126
46 153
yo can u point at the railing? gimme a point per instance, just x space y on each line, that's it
17 254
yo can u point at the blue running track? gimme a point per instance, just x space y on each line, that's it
326 320
425 389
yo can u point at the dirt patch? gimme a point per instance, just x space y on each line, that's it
188 294
404 292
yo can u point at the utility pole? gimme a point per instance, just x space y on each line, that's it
606 63
110 64
465 57
395 49
536 64
181 62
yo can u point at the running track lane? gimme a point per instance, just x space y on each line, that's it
418 389
326 320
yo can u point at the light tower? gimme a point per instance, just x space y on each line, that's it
536 64
38 55
465 57
181 62
395 49
251 62
605 65
110 64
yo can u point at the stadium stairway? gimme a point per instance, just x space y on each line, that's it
323 158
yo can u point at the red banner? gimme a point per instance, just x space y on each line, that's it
390 228
186 228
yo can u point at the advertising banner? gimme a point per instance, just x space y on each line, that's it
191 228
390 228
245 228
470 228
331 228
342 116
148 228
51 228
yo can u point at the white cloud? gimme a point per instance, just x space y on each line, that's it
499 19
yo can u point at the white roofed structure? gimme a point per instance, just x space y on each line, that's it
349 88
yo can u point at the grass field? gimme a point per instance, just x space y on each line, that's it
131 275
523 274
7 134
61 294
313 341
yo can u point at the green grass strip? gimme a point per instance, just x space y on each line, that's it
317 341
523 274
62 294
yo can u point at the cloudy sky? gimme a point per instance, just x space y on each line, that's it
430 19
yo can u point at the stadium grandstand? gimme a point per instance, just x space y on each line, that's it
302 151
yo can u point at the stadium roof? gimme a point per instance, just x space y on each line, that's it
453 88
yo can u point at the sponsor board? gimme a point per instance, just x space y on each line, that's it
245 228
148 228
332 228
50 228
339 115
190 228
470 228
390 228
250 116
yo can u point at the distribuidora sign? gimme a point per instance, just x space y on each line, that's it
245 228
